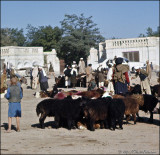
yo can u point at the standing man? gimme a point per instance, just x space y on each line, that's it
110 87
144 81
74 73
34 77
151 65
43 80
8 69
74 63
100 77
148 70
121 77
31 77
88 74
51 72
67 73
81 66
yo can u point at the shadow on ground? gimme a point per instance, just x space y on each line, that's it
5 125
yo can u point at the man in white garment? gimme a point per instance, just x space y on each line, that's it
81 66
35 77
110 88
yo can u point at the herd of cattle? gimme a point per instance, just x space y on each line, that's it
90 109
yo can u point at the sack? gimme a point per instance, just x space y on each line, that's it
119 74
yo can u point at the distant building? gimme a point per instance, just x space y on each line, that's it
134 49
23 57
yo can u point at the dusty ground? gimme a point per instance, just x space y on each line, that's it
142 138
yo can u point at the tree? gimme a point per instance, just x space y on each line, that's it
12 37
156 33
79 35
151 33
47 37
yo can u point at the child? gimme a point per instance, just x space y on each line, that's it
14 96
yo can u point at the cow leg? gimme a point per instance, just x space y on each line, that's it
113 124
127 118
151 117
91 122
134 118
69 122
41 120
57 120
120 122
101 124
74 123
106 124
138 118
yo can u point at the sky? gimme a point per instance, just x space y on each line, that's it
119 19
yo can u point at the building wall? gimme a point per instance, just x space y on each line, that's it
148 48
20 57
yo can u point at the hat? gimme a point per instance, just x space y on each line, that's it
119 60
81 58
74 62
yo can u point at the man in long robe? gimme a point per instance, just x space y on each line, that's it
81 66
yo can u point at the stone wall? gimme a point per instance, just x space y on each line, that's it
21 57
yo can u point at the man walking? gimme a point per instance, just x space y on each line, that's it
88 74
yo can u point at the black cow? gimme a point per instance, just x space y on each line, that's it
116 112
45 108
97 110
69 110
150 102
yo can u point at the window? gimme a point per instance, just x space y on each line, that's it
132 56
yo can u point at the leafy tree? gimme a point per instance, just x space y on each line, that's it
45 36
79 35
12 37
156 33
151 33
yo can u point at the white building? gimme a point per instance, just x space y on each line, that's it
23 57
134 49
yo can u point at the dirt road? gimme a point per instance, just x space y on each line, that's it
142 138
